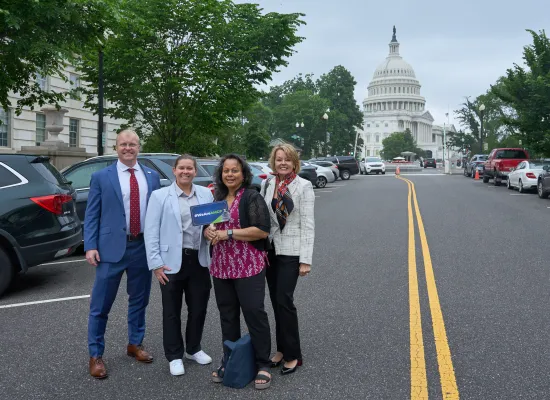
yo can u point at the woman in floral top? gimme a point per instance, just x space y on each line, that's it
239 261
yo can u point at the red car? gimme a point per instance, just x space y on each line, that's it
500 162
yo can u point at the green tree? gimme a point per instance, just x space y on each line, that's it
40 37
527 92
302 106
462 140
399 142
181 70
345 117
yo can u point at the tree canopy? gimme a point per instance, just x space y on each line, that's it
40 37
399 142
180 71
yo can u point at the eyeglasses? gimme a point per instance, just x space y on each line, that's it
130 145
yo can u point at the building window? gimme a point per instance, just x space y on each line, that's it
377 152
4 127
386 124
104 135
368 125
377 125
377 138
368 153
433 137
75 86
367 138
42 82
395 90
73 132
40 128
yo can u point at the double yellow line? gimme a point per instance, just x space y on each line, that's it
419 381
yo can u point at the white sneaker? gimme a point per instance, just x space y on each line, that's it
201 357
176 367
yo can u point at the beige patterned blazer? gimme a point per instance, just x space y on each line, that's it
298 235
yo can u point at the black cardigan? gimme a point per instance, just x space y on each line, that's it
253 211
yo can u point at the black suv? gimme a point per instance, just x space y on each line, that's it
430 162
38 220
80 174
347 165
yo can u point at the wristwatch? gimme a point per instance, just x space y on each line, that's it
230 233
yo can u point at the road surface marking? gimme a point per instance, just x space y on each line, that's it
65 262
444 360
30 303
419 382
519 194
324 191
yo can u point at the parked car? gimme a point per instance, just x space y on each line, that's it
324 175
543 182
347 165
264 166
210 166
525 176
500 162
430 162
38 219
475 163
308 172
328 164
372 164
80 174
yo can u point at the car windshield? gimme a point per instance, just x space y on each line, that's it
374 159
538 164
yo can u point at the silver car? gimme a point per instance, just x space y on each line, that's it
324 175
328 164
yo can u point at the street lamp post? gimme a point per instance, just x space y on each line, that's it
481 112
325 117
297 137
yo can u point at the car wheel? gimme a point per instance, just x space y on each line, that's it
485 178
465 172
383 172
7 270
540 190
496 179
508 185
360 172
321 182
345 175
521 189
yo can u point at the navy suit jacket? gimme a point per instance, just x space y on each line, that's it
105 221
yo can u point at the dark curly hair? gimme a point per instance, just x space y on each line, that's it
221 190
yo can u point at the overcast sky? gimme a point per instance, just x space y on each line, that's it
457 48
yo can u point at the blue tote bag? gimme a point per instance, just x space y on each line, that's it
240 365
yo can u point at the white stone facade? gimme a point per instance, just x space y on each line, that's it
80 125
394 104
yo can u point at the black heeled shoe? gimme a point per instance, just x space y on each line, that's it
276 364
286 371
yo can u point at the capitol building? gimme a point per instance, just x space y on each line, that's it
394 104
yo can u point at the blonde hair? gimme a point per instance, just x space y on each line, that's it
290 152
128 132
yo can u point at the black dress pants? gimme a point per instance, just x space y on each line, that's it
282 276
194 280
247 294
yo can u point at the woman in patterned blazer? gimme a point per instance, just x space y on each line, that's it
291 201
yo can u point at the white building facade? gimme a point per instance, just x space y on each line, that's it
394 104
80 125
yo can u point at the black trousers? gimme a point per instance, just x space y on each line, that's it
282 276
246 294
194 280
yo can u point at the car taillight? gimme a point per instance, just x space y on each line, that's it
212 187
262 176
53 203
336 165
530 175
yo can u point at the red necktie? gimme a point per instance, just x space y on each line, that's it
135 217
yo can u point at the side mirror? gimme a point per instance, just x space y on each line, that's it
512 169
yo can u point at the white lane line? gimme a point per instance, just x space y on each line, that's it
65 262
324 191
519 194
30 303
320 196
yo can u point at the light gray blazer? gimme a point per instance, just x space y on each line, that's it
298 236
163 231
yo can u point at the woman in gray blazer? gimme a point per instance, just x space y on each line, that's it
291 202
179 256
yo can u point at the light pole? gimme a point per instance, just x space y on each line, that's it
481 112
296 137
325 117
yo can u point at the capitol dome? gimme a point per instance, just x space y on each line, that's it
394 66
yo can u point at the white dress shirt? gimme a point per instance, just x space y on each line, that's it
191 233
124 179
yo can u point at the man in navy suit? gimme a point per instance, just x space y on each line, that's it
113 241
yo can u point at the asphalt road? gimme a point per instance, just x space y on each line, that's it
490 263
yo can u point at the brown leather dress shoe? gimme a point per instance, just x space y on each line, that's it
139 353
97 368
